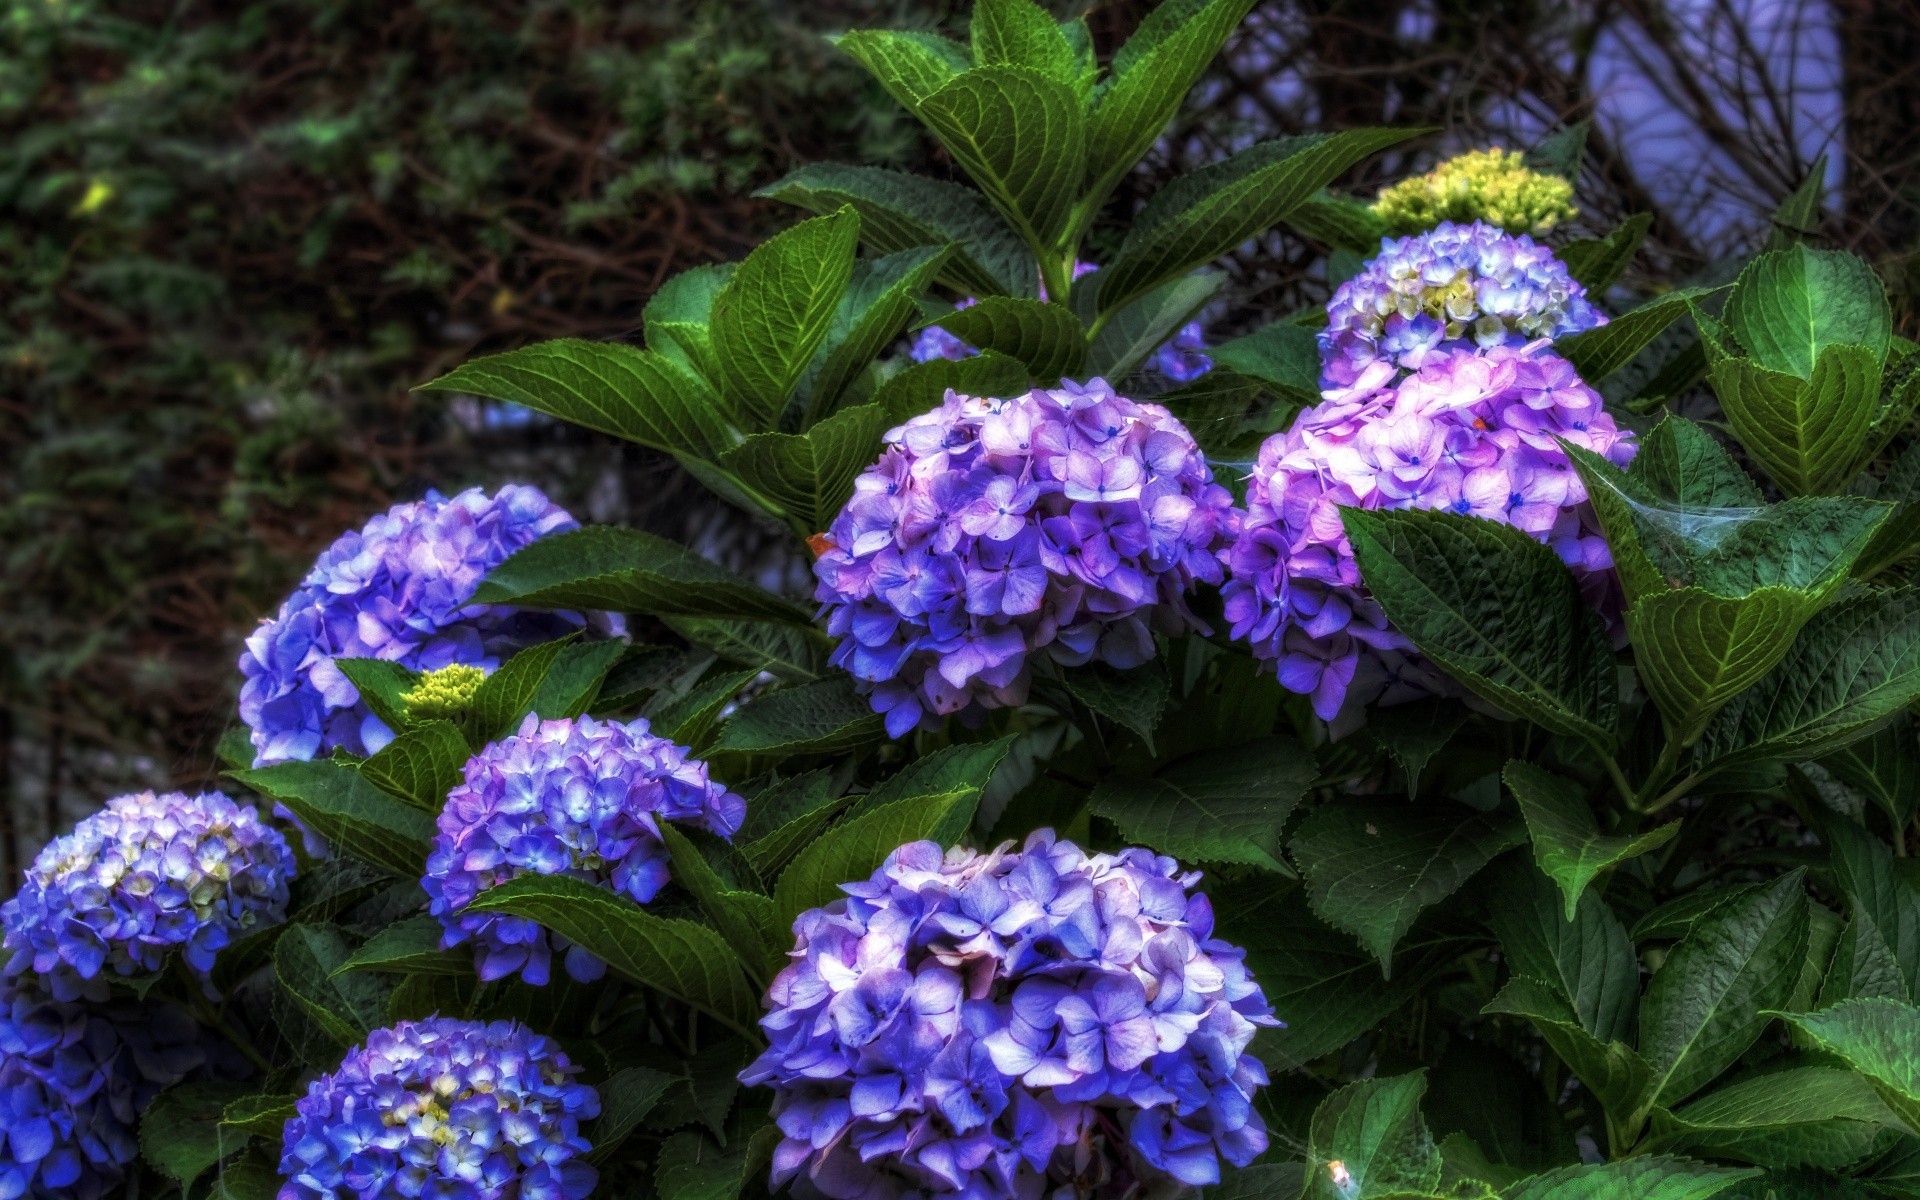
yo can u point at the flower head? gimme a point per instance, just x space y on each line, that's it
1070 521
575 797
1495 186
1475 433
144 876
74 1079
1009 1024
444 695
443 1108
1456 287
398 589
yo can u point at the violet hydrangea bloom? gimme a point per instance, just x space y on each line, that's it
575 797
1004 1025
1454 287
1069 521
398 589
1470 433
446 1110
142 877
74 1079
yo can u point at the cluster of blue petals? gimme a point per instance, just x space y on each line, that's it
398 589
146 875
1016 1024
1456 287
575 797
443 1109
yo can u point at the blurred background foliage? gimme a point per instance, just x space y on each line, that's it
233 235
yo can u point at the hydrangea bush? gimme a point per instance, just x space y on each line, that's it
1474 777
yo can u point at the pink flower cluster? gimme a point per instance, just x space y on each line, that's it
1472 432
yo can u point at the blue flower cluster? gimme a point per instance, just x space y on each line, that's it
1457 287
73 1080
144 876
1008 1024
443 1109
1070 520
399 590
573 797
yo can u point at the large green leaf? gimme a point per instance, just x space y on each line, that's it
1680 462
1863 967
409 947
626 1098
1367 1142
776 310
1497 610
1019 33
181 1133
923 386
383 688
852 850
1790 305
1710 1000
1137 330
911 66
335 801
692 1167
1612 1071
964 769
899 212
1372 866
1597 263
1132 699
1022 136
1203 214
1878 1038
639 395
1588 962
420 766
1227 806
1808 435
792 652
1878 887
784 817
1799 1117
825 717
1599 352
679 316
744 918
308 965
1282 355
1884 766
1854 667
1650 1178
504 698
680 958
625 570
878 303
1899 537
687 715
1046 337
810 475
1567 842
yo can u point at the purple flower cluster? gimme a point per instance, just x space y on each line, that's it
1471 433
574 797
443 1109
1182 358
1004 1025
1070 520
1455 287
399 590
73 1081
145 875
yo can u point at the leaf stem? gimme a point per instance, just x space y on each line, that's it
215 1020
1662 771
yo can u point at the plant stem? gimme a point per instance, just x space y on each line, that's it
1662 771
217 1021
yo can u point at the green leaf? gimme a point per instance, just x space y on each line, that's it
878 303
307 961
505 697
180 1133
1863 967
691 1167
1340 222
744 919
1282 355
1496 610
626 1098
625 570
1807 435
911 66
1855 666
1413 733
792 652
336 802
263 1115
1224 807
1046 337
852 850
1880 1039
1597 263
1789 306
1588 962
1599 352
826 717
776 310
1710 999
1206 213
1612 1071
1877 887
784 817
382 686
1133 699
638 395
1372 866
963 770
1680 462
1021 136
1899 537
1228 414
1149 82
810 475
923 386
1367 1141
678 317
1567 842
421 765
1560 152
1261 1181
1884 767
1798 216
680 958
572 684
1019 33
1655 1177
254 1176
1800 1117
687 716
1136 331
409 947
900 212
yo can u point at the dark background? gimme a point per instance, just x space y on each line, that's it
233 236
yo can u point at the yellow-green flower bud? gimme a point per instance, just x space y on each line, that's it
443 695
1494 186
